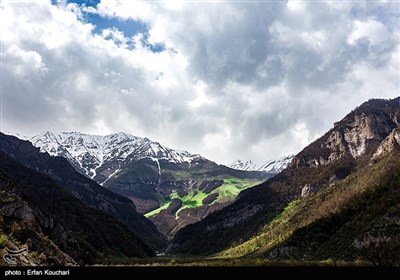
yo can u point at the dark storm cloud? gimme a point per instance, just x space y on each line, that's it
235 80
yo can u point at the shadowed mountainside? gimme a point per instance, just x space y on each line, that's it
351 150
88 191
57 227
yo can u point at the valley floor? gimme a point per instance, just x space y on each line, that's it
225 262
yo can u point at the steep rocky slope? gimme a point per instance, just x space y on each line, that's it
354 218
88 191
345 150
56 227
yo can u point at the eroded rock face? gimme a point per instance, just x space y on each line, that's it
365 128
391 143
351 138
309 189
306 190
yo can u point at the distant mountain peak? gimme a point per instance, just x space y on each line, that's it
276 165
248 165
88 153
272 166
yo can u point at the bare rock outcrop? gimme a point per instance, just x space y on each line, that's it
353 137
390 144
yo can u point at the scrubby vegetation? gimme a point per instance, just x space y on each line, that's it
356 218
336 177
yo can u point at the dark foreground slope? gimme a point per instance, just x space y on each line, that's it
57 227
356 218
88 191
349 150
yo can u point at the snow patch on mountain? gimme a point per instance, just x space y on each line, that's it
272 166
89 152
276 165
158 165
19 136
243 165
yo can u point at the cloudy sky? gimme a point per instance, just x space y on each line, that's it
226 79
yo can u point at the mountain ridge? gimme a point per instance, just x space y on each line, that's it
172 188
88 191
89 153
270 166
36 210
346 148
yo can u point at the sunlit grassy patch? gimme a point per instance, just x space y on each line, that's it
228 191
158 210
232 187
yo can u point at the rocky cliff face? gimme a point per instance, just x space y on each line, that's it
358 134
371 129
390 144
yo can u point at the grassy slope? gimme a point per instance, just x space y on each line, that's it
159 209
327 224
232 187
227 192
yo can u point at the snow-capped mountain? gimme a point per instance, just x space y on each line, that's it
151 175
92 153
243 165
276 165
272 166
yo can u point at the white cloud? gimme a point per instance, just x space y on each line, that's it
375 31
27 64
235 80
174 5
126 9
201 97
